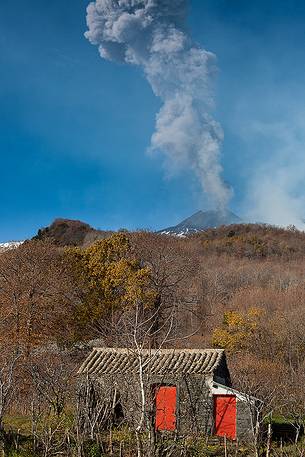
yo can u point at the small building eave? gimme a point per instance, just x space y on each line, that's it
220 389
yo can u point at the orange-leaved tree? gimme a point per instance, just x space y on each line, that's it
237 330
110 278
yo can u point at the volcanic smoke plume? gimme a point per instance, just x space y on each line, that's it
152 35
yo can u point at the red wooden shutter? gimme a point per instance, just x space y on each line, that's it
166 400
225 415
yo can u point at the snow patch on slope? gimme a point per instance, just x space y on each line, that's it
10 245
202 220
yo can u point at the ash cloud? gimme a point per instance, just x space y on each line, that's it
275 192
152 35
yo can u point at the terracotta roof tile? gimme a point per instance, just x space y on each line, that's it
103 361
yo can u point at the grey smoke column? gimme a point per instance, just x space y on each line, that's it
152 35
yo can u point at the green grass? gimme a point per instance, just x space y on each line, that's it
23 424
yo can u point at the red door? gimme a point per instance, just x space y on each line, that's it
166 400
225 415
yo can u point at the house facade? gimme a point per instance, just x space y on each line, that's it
185 391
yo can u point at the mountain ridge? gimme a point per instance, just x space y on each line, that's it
202 220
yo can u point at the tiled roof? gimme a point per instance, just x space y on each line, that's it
110 361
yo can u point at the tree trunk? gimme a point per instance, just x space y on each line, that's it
152 438
225 445
297 434
256 433
268 440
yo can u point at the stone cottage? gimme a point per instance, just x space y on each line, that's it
175 390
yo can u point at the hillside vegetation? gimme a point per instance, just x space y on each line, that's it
240 287
67 232
254 241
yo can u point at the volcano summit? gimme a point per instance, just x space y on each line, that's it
202 220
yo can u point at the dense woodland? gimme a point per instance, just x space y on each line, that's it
240 287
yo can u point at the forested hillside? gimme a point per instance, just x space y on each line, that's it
240 287
67 232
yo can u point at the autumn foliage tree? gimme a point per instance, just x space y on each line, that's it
109 278
35 313
35 296
238 330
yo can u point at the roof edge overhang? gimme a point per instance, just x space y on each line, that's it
216 387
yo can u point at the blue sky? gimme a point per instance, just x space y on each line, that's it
74 128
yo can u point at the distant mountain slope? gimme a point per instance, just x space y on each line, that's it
68 232
202 220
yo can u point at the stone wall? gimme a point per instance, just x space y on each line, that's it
244 426
194 400
195 405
